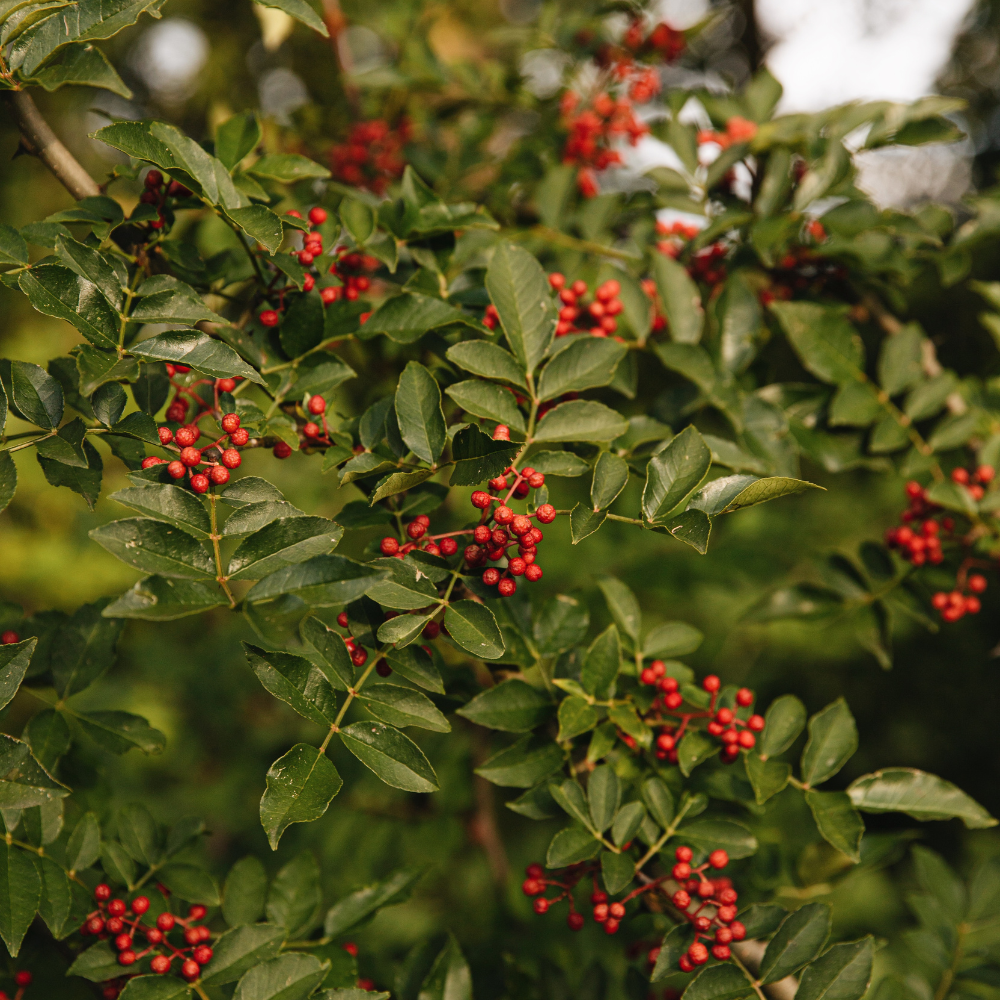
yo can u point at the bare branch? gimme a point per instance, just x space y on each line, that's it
38 139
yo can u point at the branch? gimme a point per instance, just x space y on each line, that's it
38 139
750 954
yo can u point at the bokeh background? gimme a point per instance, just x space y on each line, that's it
936 709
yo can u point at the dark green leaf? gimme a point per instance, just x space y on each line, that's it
767 777
523 764
674 944
762 919
718 982
588 362
84 846
617 870
239 949
402 706
8 479
288 167
20 892
418 409
155 547
583 522
610 478
560 623
486 399
358 218
252 517
14 660
604 796
300 787
711 834
478 457
405 318
473 627
32 393
513 706
837 820
120 732
576 716
155 988
918 794
191 883
404 585
295 897
488 361
798 941
659 800
245 892
581 420
670 639
390 755
843 972
416 666
824 340
694 749
177 506
98 963
331 652
301 11
360 905
673 474
48 736
55 899
833 738
84 649
571 846
302 324
523 299
681 300
321 581
450 978
559 463
284 542
13 249
159 599
236 137
56 291
601 664
199 351
785 719
296 681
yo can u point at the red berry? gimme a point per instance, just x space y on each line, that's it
727 896
431 630
536 480
706 890
611 925
231 458
219 475
681 871
617 910
329 294
317 405
541 905
532 887
985 473
93 926
202 954
308 283
744 697
126 957
190 969
317 216
342 619
721 952
200 483
598 897
491 576
546 513
165 921
416 529
723 935
480 499
165 434
123 942
269 318
724 716
575 921
711 683
684 854
230 422
150 461
517 566
718 859
698 953
160 964
114 925
389 546
746 739
960 476
501 432
187 435
674 700
282 449
739 931
503 514
473 555
102 892
191 456
359 657
226 385
23 978
557 280
601 912
977 583
153 179
973 605
240 437
448 546
647 676
383 669
755 723
668 685
666 742
506 587
154 935
116 907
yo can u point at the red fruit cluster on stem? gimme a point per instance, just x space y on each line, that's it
136 935
596 317
372 156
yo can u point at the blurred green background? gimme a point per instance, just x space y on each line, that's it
935 710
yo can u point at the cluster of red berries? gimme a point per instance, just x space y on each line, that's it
372 155
158 190
499 530
358 653
705 265
596 317
592 130
737 130
122 923
724 723
801 269
662 40
23 979
217 457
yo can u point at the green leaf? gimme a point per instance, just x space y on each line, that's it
900 365
48 736
300 787
236 137
767 777
284 542
694 749
681 300
785 719
833 738
610 478
404 585
559 625
120 732
918 794
513 707
623 605
155 547
55 899
296 681
837 820
190 883
559 463
485 399
403 629
741 321
260 224
824 339
159 599
301 11
98 963
797 942
670 639
252 517
583 522
842 972
8 479
718 982
172 504
199 351
674 944
417 666
601 664
390 755
520 291
587 363
762 919
402 706
20 892
630 817
659 800
295 897
604 796
302 324
293 976
478 457
358 218
581 420
56 291
359 906
406 317
576 716
732 493
711 834
523 764
673 474
14 660
473 628
84 846
487 360
239 949
322 581
32 393
288 168
449 978
570 797
84 648
13 249
174 303
245 892
571 846
418 409
331 652
155 988
617 870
